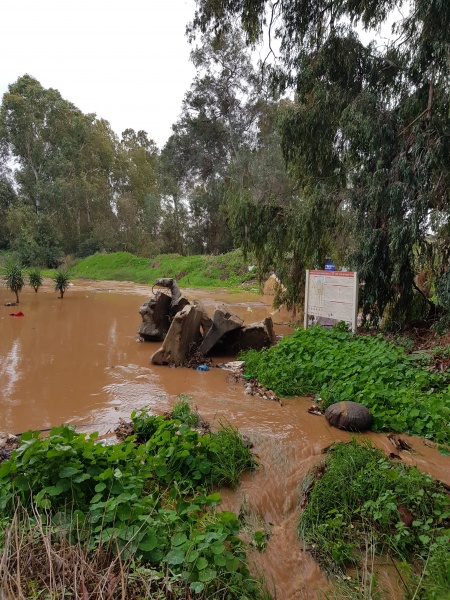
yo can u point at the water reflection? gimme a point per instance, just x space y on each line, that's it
9 370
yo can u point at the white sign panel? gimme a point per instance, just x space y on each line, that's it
331 295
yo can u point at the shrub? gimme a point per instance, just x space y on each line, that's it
62 281
35 279
14 278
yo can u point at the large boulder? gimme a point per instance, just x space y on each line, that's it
183 333
253 336
349 416
155 318
222 323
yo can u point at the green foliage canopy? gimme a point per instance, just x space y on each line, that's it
368 130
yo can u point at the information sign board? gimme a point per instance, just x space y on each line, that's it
331 296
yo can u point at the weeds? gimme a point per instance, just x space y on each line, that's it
336 366
191 459
121 516
183 411
363 504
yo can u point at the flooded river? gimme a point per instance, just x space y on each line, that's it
79 361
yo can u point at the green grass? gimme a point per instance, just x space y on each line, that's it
337 366
224 271
361 500
184 412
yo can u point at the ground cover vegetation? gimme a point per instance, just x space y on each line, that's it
402 394
135 520
360 505
202 271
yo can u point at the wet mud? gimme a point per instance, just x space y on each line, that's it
79 361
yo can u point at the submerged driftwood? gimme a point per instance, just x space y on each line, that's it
185 329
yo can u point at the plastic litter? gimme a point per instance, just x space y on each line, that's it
17 314
203 368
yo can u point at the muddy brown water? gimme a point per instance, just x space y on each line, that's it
79 361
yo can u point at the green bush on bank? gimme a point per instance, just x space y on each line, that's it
337 366
360 500
226 270
152 502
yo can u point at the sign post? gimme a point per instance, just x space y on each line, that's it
331 296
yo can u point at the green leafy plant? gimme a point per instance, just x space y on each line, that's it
149 503
181 454
35 279
62 281
337 366
14 278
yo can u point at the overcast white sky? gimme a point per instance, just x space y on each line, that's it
125 60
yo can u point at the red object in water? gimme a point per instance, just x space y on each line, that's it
17 314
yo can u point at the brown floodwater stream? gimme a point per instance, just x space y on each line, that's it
79 361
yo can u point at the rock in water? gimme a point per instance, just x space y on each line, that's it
349 416
155 318
222 323
183 332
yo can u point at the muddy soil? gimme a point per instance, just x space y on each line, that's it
79 361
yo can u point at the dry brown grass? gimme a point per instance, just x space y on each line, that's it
40 561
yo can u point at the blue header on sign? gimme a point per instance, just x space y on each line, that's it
329 266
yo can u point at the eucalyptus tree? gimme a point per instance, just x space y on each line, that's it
64 159
8 198
136 180
219 118
367 133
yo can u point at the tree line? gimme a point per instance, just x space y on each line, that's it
337 149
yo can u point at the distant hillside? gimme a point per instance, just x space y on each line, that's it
226 270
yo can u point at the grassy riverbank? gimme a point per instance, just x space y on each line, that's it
361 506
224 271
133 520
402 395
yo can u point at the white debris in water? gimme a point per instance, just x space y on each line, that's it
234 365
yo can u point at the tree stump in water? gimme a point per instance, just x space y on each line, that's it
349 416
